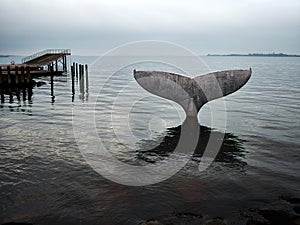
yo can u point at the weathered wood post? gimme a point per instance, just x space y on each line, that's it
77 70
2 96
51 80
22 75
11 97
0 75
16 75
29 89
52 84
24 94
56 66
73 77
64 63
1 90
8 75
81 79
18 94
28 75
86 78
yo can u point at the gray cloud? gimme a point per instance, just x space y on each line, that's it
203 26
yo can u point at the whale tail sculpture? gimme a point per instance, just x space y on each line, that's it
192 93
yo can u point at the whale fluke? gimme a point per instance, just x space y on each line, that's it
192 93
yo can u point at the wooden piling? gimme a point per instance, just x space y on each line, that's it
22 75
24 94
51 78
56 65
29 91
86 78
64 59
2 96
51 83
0 75
28 75
73 78
79 71
76 69
18 95
73 64
81 78
16 75
11 97
8 75
17 91
73 81
66 63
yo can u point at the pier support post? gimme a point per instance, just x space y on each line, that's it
8 75
24 94
64 63
16 75
0 75
76 69
22 75
29 91
81 79
52 86
18 95
2 95
11 97
73 81
86 78
28 75
56 65
73 77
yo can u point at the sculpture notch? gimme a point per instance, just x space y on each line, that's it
192 93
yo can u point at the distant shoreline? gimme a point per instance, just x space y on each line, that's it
4 56
257 54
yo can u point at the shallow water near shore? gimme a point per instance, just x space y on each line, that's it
45 179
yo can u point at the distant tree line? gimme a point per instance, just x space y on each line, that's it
258 54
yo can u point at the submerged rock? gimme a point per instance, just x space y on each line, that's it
297 209
216 221
292 200
151 222
280 212
13 223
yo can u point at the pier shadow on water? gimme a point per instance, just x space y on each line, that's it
16 94
21 95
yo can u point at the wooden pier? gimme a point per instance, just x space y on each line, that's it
17 79
43 63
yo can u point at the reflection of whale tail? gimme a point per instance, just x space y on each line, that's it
192 93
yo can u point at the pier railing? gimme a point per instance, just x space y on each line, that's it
47 51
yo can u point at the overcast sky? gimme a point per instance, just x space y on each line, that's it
95 26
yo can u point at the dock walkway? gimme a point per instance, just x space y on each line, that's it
46 57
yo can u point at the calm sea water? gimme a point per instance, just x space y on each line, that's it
45 179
